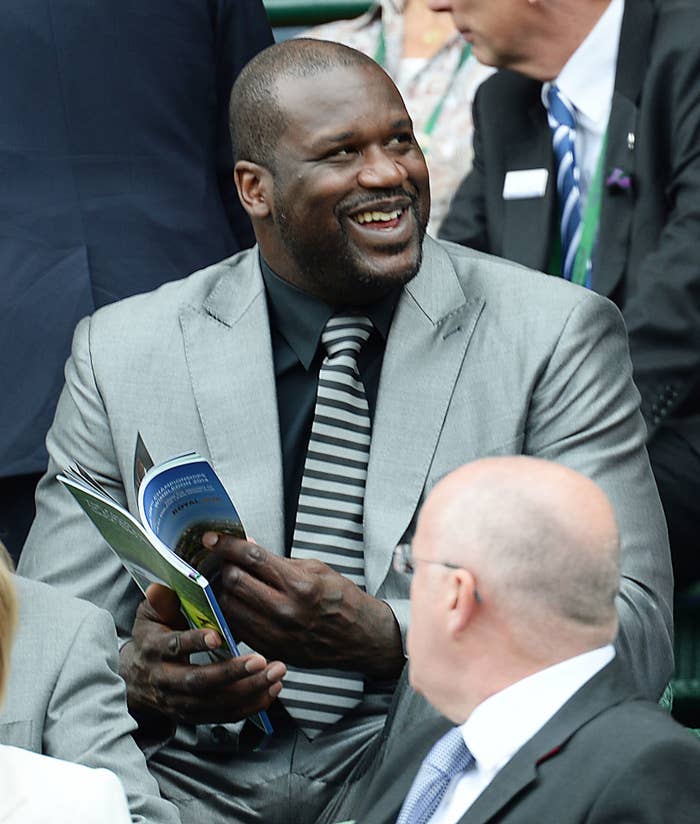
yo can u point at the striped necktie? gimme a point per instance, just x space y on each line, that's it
329 514
562 122
449 757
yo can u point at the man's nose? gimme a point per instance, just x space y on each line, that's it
381 169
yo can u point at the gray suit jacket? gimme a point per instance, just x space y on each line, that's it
606 756
65 698
483 358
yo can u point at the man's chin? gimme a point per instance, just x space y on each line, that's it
391 265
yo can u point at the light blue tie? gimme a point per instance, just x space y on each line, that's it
449 757
562 122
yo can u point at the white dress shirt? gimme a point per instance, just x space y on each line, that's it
500 726
38 789
588 81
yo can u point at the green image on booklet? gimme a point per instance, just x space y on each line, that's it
178 501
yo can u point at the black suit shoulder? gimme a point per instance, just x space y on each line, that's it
505 92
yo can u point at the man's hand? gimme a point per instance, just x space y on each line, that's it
161 681
303 611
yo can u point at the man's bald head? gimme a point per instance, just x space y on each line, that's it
540 538
256 114
516 569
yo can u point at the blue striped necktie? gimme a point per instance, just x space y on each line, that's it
449 757
562 122
330 511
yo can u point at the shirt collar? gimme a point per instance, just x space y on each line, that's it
588 77
300 318
498 727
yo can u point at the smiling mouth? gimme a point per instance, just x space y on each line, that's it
379 219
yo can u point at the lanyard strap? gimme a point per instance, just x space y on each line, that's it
380 57
591 218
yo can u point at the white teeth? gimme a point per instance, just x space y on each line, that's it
377 217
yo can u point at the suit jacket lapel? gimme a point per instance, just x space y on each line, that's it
528 222
432 325
617 204
604 690
229 355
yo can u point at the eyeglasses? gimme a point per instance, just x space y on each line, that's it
405 563
404 560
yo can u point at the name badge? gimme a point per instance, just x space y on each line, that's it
525 183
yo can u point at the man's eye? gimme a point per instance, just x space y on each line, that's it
343 151
405 138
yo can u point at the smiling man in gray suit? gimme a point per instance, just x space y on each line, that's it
455 362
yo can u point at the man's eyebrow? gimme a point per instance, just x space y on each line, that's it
349 135
342 137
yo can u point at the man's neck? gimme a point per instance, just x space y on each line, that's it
568 26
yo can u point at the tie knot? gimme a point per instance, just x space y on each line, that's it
346 333
450 755
561 110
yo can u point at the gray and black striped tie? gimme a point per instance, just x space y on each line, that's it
329 515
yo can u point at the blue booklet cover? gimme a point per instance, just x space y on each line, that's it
178 502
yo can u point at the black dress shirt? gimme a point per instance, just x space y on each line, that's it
297 321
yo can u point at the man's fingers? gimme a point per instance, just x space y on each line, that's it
165 603
158 642
252 671
260 563
223 691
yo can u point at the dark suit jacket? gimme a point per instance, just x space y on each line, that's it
116 170
648 249
606 756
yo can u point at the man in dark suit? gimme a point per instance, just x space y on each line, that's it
512 624
117 175
631 71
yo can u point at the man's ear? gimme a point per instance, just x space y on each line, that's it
254 184
463 600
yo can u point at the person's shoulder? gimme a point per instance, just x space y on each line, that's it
39 597
638 725
675 30
51 619
505 282
190 289
507 92
151 320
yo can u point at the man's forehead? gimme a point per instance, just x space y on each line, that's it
308 98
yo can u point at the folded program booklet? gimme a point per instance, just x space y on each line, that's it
178 501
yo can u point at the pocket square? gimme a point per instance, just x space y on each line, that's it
618 179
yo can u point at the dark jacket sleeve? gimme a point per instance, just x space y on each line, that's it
241 30
662 302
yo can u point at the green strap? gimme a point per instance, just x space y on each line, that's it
380 54
591 217
380 57
433 119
